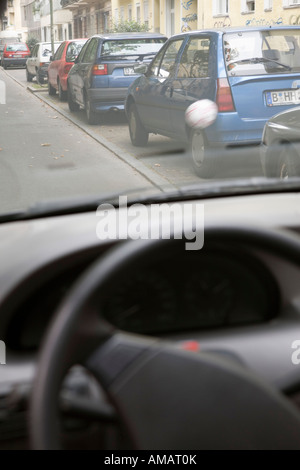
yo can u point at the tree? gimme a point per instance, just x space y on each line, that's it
31 42
128 26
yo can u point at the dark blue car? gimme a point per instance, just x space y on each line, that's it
104 69
250 73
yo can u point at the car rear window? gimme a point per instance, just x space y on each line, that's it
131 48
16 47
262 52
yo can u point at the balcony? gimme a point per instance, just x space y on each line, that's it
70 4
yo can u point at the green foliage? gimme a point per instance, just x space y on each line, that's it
31 42
128 26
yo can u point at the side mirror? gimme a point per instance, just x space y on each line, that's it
142 68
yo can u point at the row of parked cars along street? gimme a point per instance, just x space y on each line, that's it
252 74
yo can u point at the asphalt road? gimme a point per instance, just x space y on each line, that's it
162 155
43 156
108 163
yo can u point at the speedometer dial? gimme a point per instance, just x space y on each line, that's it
145 302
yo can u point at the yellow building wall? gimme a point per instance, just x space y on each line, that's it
198 14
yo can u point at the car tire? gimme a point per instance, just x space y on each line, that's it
51 89
39 78
203 162
4 65
29 76
92 117
73 106
61 93
138 135
283 162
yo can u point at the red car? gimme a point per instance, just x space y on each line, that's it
60 65
15 54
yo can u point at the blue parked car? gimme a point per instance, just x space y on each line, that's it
250 73
104 69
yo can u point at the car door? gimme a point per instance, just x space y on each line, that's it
55 64
153 100
79 76
31 60
194 79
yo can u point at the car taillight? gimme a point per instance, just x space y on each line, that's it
67 68
224 97
6 54
100 69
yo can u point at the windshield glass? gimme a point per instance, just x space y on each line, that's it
205 111
16 47
131 47
262 52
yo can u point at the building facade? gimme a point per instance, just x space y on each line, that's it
88 16
30 17
174 16
11 21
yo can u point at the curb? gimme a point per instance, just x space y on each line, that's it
158 181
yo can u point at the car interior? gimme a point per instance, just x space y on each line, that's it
129 344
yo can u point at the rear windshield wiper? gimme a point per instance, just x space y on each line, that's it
260 60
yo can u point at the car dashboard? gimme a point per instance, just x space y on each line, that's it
232 298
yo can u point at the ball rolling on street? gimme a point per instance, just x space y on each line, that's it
201 114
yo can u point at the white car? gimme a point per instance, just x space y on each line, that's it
37 64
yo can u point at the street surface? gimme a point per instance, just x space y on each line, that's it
91 159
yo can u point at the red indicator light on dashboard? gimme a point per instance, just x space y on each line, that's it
190 346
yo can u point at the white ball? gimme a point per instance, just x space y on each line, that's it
201 114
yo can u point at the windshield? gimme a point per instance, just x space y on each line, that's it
16 47
212 111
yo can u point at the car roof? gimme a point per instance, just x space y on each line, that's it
237 29
140 35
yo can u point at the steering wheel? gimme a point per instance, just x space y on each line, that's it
165 396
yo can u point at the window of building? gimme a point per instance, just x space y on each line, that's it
146 13
248 6
268 4
220 7
129 12
290 3
116 15
105 21
138 12
122 14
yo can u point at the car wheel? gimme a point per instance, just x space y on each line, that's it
51 89
283 162
39 77
138 135
92 117
29 76
4 65
73 106
203 162
61 93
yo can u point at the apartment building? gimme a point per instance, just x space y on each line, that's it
175 16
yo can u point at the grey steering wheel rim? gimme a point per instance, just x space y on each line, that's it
57 353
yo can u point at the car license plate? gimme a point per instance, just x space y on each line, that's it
129 71
18 55
282 97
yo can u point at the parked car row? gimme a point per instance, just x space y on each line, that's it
251 74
